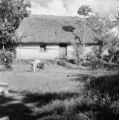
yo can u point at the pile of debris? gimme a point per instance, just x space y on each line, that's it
66 63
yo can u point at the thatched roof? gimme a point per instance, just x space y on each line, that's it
49 29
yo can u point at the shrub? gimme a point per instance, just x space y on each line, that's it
101 95
6 59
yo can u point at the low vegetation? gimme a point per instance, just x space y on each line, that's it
6 59
64 94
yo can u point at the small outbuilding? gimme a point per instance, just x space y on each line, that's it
43 37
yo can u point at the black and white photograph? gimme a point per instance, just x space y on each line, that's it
59 59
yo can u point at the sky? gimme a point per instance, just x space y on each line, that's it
70 7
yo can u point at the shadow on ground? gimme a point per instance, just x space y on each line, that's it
43 99
21 107
99 101
14 109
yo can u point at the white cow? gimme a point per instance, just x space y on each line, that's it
36 65
105 53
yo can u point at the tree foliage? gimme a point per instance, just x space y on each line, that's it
6 59
100 25
11 14
107 30
84 10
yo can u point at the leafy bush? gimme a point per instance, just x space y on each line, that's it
101 96
6 59
92 60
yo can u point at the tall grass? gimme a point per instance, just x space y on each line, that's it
99 100
102 95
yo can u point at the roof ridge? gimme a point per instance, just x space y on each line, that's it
41 15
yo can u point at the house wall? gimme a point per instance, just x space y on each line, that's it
35 52
63 52
86 51
70 52
52 52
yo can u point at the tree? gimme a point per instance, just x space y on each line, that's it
76 37
71 29
11 14
100 25
103 27
113 40
84 11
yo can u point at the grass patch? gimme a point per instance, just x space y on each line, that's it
60 94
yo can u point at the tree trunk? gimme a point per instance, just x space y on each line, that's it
77 54
84 27
3 47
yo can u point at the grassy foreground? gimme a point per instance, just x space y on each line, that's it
58 93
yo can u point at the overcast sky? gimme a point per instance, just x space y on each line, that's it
70 7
